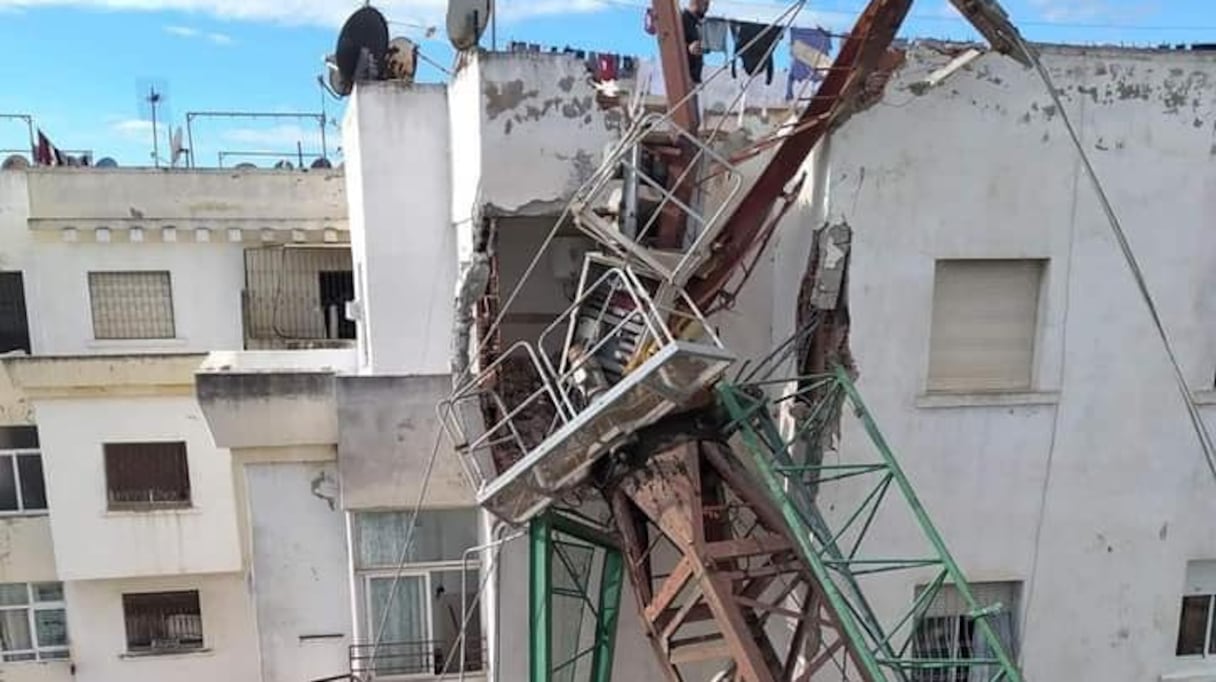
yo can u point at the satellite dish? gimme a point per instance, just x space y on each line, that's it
15 162
321 163
467 20
361 49
175 147
106 162
402 60
245 166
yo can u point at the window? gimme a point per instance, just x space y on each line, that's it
946 631
143 476
131 305
14 324
33 622
163 622
337 288
421 623
22 488
985 321
1196 636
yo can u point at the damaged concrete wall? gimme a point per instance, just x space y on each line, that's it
538 113
980 167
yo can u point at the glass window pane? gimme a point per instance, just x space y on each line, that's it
18 438
15 630
14 594
1193 625
48 591
448 607
33 487
51 627
8 484
441 535
404 646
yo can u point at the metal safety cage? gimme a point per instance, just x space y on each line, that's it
877 538
618 367
577 574
711 180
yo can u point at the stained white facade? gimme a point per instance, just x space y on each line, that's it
125 277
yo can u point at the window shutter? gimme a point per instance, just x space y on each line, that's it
985 320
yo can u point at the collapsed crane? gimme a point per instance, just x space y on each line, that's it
708 486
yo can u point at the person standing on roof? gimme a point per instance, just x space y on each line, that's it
691 17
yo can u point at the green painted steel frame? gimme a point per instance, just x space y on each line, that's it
835 562
543 548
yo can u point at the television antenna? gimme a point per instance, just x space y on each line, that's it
154 107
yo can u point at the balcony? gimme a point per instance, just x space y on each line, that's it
295 298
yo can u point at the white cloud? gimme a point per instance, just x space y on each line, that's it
132 128
312 12
274 138
1074 11
193 33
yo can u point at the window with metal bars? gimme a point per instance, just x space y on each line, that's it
14 323
147 476
946 631
132 305
163 622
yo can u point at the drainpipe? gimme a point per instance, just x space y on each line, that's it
492 593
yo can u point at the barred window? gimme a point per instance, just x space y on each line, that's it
163 622
144 476
132 305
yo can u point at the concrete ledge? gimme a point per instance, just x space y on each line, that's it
1205 397
1009 399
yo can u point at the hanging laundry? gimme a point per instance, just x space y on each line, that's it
809 50
754 47
47 154
713 34
606 69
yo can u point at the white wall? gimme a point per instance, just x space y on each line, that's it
399 183
91 542
981 168
37 207
206 281
27 554
299 570
95 622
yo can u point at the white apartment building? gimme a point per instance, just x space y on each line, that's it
998 334
123 555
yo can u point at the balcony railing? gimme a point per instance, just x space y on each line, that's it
421 659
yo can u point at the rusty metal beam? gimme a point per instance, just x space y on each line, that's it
858 58
991 20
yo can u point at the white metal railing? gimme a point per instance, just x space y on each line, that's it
704 164
614 317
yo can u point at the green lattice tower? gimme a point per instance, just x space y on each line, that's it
888 646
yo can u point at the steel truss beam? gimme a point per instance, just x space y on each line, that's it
868 491
554 537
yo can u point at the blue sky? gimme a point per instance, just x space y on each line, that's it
78 66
